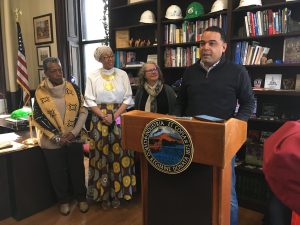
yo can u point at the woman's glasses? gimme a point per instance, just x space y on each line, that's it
108 57
153 70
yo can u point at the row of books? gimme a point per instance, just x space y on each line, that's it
181 56
191 31
267 22
122 58
251 186
247 53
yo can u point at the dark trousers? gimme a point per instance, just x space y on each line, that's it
66 169
279 214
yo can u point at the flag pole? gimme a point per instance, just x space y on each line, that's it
31 140
18 13
22 73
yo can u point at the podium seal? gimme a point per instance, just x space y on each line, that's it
167 146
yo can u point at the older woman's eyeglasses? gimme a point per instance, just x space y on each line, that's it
108 57
153 70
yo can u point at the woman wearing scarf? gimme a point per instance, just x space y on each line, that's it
59 116
153 95
111 169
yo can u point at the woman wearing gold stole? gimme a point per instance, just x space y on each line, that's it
59 116
111 169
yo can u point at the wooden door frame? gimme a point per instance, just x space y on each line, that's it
61 34
2 70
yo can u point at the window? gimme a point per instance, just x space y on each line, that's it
93 33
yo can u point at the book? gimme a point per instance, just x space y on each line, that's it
134 1
297 85
134 64
122 38
237 56
293 24
152 58
291 50
130 57
273 81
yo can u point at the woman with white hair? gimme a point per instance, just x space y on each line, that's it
153 95
111 170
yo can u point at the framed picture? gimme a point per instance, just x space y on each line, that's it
273 81
42 26
41 74
291 50
43 52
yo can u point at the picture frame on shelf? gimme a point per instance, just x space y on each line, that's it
122 39
291 50
43 52
288 84
273 81
297 85
41 74
43 30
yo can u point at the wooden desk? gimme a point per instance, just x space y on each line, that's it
25 183
29 182
5 207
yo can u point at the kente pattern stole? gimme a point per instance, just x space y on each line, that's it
46 116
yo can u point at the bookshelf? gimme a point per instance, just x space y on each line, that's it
126 16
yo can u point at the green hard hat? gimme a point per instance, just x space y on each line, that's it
194 10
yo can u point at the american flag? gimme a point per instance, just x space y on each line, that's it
22 75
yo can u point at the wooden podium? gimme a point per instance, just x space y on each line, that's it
201 194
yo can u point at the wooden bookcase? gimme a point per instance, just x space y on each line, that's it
124 16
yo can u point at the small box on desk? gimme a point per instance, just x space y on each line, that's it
16 125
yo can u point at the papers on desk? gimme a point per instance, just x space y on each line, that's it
11 146
8 143
5 144
4 116
9 137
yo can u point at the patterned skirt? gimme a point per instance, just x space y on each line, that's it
111 169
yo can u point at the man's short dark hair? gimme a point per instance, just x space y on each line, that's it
218 30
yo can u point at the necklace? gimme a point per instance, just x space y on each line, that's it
108 86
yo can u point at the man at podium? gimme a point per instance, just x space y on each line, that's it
215 86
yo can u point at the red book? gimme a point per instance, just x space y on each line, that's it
270 22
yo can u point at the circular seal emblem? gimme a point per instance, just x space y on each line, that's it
167 146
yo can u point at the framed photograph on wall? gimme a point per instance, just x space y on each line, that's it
43 31
41 74
42 52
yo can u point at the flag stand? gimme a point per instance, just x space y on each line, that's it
31 140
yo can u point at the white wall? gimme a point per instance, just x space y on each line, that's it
30 9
